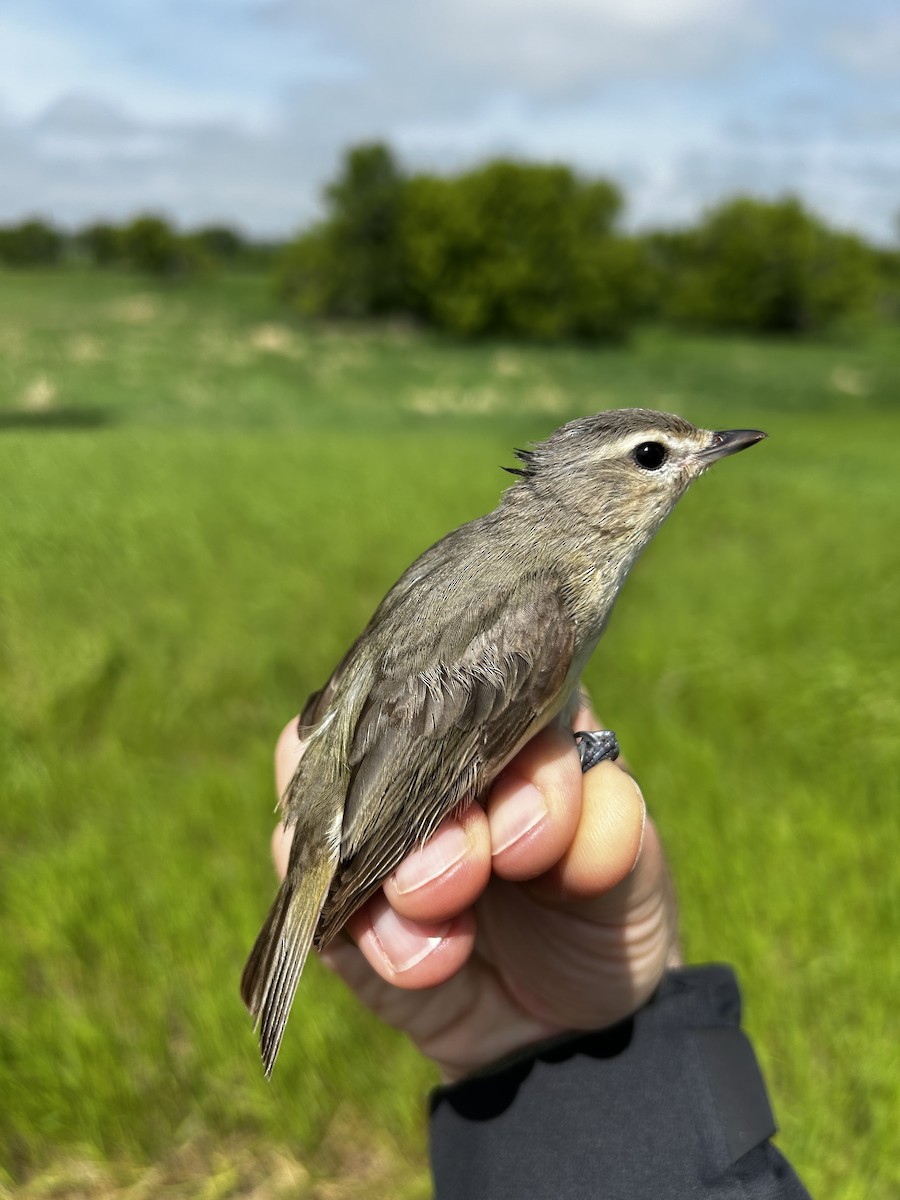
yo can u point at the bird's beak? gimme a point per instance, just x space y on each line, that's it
729 441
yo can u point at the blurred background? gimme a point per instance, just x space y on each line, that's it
280 289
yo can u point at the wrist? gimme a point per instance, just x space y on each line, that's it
665 1102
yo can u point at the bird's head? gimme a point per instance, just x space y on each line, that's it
622 471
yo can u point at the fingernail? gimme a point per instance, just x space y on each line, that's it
520 810
643 823
444 851
404 943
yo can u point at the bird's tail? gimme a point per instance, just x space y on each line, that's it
273 969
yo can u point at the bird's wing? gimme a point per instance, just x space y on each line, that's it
318 704
428 741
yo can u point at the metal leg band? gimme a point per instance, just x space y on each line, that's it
594 747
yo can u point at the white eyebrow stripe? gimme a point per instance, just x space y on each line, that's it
628 442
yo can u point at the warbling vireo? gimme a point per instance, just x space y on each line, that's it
478 645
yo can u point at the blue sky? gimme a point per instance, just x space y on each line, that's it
238 110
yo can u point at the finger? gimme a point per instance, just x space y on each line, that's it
282 837
405 952
622 887
535 805
607 842
411 954
288 752
648 883
448 874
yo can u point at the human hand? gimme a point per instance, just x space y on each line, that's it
550 909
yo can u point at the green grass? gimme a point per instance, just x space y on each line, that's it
200 505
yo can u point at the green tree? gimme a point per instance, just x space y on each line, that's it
102 243
151 245
220 242
519 249
769 267
351 264
32 243
887 263
310 275
888 267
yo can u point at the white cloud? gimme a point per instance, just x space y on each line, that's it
555 47
545 47
869 48
192 61
34 63
81 130
77 170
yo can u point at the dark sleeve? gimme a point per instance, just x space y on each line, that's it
667 1105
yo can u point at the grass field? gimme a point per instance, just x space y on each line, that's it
200 505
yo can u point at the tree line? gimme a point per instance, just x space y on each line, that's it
148 243
517 249
531 250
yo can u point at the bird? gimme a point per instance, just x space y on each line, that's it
477 647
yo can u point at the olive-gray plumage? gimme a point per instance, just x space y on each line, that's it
478 645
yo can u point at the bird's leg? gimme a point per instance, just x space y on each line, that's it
594 747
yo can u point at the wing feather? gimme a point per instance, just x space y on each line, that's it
429 741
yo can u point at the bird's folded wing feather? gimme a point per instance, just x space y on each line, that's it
438 725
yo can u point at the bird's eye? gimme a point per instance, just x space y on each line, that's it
650 455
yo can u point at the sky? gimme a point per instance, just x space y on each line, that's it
238 111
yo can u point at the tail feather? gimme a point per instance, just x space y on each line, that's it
276 961
257 969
